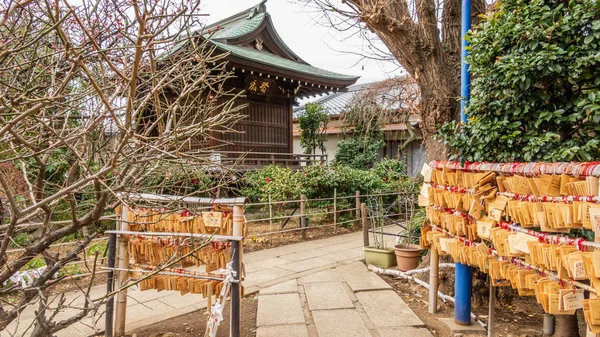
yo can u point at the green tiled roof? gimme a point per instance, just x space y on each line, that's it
237 28
244 23
279 62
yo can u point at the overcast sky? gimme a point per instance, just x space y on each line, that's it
322 47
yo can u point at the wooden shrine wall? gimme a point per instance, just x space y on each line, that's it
266 129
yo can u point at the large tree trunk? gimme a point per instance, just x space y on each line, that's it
431 58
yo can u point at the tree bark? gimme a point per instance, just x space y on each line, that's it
431 57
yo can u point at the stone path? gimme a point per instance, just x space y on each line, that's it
346 300
263 269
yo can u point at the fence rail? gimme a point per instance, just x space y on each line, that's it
400 209
253 160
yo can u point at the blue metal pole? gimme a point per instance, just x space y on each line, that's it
465 79
462 294
463 279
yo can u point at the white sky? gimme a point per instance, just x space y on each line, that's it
320 46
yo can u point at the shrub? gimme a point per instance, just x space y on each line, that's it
320 181
359 153
535 94
282 183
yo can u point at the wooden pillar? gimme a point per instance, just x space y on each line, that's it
492 309
433 279
335 210
271 219
363 213
303 215
291 123
357 203
123 263
237 249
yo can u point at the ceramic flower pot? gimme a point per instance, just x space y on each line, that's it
407 256
382 258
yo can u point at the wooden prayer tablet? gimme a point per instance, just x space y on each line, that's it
212 219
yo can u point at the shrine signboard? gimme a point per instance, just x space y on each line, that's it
259 86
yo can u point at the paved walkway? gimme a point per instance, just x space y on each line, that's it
263 269
317 269
346 300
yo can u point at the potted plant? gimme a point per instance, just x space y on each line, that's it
408 252
378 254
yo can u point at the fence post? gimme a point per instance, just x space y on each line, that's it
122 274
236 247
357 206
110 303
335 210
492 309
399 200
303 215
433 279
363 213
270 220
273 159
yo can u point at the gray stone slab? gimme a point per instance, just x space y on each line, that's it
177 301
386 309
288 330
352 267
150 309
474 328
329 275
412 332
328 295
299 256
337 323
265 264
345 255
279 309
265 275
364 280
286 287
306 264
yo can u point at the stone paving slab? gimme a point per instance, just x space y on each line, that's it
175 300
299 256
473 329
345 255
279 309
338 323
288 330
363 281
305 264
264 264
404 332
265 275
154 308
386 309
286 287
329 275
329 295
354 267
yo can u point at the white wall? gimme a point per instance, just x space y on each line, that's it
330 146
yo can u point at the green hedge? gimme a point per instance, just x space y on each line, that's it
319 181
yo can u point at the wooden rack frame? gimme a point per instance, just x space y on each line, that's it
121 236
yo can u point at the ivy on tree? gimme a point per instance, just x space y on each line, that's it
535 90
313 123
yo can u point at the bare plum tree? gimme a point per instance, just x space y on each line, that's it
94 98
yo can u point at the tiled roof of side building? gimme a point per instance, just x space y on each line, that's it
335 103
